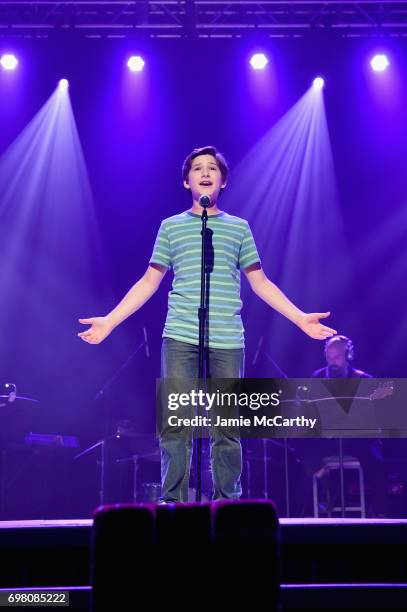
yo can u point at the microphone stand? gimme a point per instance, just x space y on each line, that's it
202 312
102 463
106 386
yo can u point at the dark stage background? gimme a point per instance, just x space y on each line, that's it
135 135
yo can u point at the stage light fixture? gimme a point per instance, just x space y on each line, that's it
318 83
258 61
379 62
135 63
63 84
9 61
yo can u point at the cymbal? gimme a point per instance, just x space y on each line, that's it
16 405
18 397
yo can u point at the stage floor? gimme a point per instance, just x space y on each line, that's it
283 522
349 562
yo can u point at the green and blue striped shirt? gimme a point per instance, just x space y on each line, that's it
231 248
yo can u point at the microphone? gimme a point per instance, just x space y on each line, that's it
204 201
146 342
259 345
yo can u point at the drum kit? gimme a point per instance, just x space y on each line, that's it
18 415
139 448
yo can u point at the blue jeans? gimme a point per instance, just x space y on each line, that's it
180 360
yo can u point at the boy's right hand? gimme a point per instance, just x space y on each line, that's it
100 328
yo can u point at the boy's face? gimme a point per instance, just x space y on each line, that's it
205 178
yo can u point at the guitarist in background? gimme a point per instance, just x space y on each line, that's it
339 353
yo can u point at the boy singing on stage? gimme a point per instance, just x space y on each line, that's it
231 250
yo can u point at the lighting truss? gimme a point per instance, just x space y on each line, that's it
201 18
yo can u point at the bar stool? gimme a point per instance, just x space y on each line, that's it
323 476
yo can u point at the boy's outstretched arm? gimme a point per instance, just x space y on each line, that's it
274 297
139 294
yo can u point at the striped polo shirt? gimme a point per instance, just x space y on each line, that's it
230 248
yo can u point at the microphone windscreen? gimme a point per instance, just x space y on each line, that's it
204 201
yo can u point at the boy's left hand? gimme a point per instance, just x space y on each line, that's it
309 323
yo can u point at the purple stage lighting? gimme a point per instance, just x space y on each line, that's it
9 61
379 62
63 84
318 83
258 61
135 63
